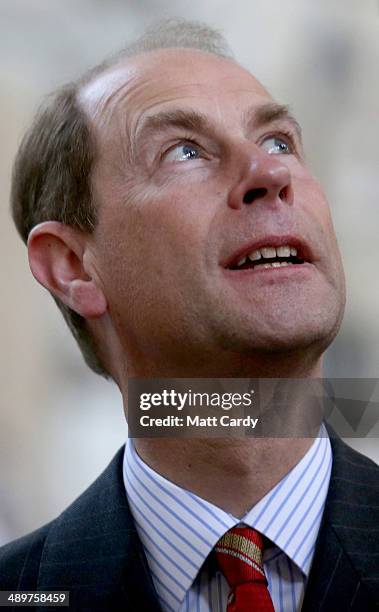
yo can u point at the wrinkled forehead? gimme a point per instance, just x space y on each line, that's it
139 84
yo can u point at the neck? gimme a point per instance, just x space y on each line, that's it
232 473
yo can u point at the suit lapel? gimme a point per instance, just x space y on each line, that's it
93 551
333 582
342 576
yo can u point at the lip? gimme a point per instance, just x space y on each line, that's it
303 250
272 275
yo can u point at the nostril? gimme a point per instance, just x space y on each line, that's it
283 193
254 194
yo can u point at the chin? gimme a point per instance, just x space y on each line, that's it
310 341
284 335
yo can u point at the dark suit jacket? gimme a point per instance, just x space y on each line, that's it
93 550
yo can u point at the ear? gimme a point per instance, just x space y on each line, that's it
56 258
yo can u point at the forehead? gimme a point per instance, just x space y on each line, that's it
141 85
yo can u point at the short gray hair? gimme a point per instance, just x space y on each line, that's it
168 34
52 171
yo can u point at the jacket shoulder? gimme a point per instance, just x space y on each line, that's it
352 509
20 560
354 474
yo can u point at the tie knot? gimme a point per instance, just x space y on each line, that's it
240 556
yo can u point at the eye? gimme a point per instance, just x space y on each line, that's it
183 152
275 145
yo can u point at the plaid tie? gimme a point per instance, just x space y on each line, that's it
239 554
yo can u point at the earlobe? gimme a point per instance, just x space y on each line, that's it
56 254
87 299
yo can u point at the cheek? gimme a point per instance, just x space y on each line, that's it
145 249
175 218
311 198
320 223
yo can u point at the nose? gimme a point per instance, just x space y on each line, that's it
264 178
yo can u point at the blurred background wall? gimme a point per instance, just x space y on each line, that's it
60 424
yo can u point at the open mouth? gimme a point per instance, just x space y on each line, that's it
268 257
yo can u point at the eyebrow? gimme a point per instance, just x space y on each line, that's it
194 121
269 113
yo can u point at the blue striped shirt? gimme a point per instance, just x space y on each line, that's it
179 529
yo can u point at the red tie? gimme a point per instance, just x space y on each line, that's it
239 554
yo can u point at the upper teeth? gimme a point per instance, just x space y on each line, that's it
269 252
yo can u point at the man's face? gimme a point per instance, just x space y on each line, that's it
199 168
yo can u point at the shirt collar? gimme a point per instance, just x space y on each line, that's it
179 529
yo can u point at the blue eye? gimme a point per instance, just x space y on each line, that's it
275 145
183 152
